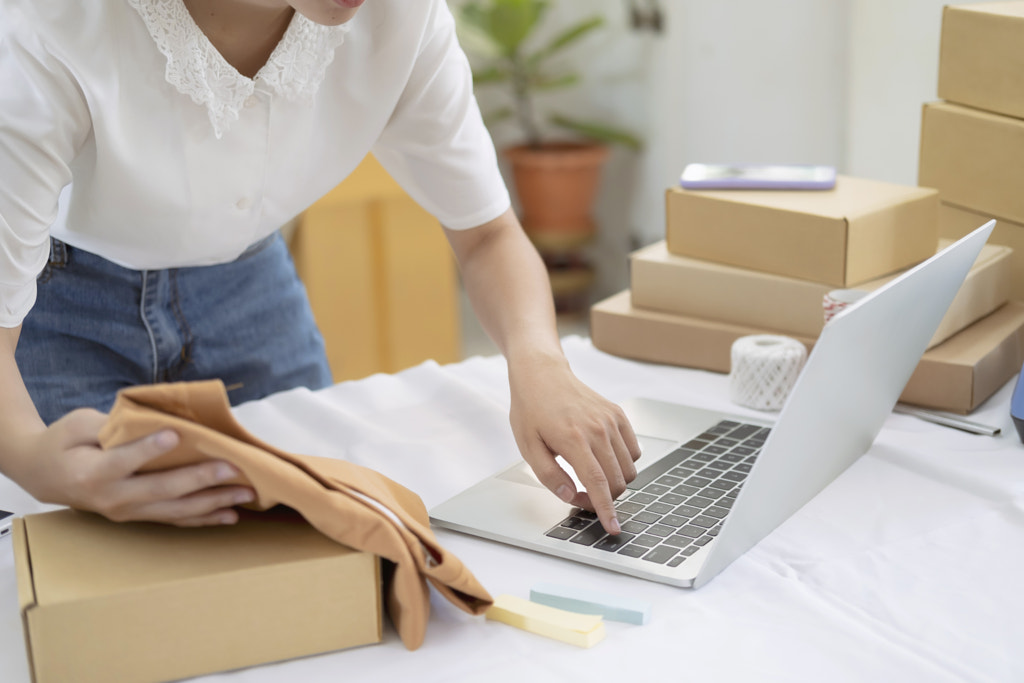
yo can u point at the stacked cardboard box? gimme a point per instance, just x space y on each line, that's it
972 142
736 263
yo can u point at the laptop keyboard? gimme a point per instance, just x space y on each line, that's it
677 505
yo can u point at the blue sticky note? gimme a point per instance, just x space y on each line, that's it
584 601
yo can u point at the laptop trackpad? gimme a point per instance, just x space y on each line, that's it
651 447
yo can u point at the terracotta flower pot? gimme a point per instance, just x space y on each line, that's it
557 184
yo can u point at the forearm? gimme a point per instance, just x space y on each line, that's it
509 289
19 421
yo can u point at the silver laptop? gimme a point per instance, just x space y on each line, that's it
710 484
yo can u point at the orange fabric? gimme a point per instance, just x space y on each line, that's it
324 491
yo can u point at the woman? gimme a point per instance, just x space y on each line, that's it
184 134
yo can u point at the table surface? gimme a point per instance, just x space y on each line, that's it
906 568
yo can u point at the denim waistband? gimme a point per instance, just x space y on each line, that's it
59 250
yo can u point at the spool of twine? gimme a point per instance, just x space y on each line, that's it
764 369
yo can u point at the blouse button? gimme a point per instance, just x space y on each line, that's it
251 101
243 203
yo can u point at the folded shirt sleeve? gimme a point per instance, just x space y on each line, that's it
44 120
435 144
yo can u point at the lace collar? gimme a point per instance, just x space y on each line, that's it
195 67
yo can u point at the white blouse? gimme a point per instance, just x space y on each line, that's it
178 160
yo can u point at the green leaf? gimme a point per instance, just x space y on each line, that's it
567 37
497 116
545 83
597 131
494 74
511 21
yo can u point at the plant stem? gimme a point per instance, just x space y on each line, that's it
523 102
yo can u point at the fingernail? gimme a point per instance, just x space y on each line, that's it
225 471
613 526
564 493
244 497
165 439
227 518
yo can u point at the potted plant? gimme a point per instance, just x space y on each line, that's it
555 180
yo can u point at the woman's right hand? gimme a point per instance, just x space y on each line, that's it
65 465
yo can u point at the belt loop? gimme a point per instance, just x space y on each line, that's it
58 253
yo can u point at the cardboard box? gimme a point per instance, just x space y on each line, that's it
955 376
981 58
955 222
663 281
105 602
859 231
974 159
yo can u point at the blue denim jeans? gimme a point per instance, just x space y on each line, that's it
98 327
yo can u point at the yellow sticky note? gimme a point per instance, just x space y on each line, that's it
583 630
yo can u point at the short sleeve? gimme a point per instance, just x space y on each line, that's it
435 144
43 121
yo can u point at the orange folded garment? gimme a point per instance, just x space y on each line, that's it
351 504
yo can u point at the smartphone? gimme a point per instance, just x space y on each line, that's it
6 518
757 177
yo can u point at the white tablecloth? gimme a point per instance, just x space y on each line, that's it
906 568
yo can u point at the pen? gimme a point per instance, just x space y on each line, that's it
947 420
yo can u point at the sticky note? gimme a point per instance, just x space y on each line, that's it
583 601
583 630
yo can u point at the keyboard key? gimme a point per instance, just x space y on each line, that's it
752 459
668 480
589 536
634 550
743 431
642 498
726 441
709 473
704 521
676 561
687 551
646 518
691 531
703 540
634 527
742 467
656 489
731 457
585 514
683 472
718 465
562 533
716 450
696 444
661 554
577 523
734 476
714 530
660 508
721 484
677 541
698 501
660 530
699 482
743 450
714 511
672 499
647 540
629 507
613 543
725 502
686 511
685 490
675 520
702 457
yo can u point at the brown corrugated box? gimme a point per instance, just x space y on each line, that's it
860 230
973 158
663 281
981 58
955 376
955 222
145 602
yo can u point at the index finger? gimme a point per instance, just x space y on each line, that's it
594 478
